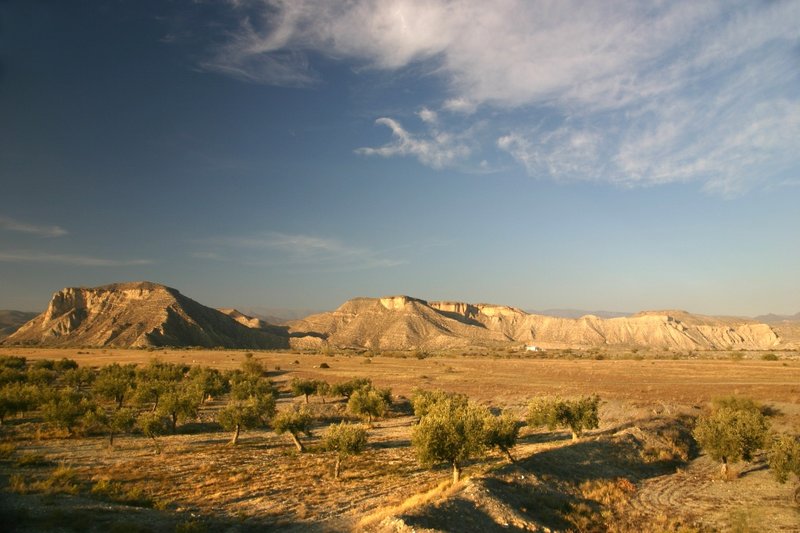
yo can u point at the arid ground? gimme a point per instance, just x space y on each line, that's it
638 472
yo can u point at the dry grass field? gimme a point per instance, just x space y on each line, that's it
637 472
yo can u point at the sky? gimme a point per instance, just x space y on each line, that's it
618 155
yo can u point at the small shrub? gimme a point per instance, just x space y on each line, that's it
577 415
769 357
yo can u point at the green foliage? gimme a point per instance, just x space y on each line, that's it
451 431
323 389
155 379
153 425
40 375
577 415
65 408
303 387
345 440
64 364
209 382
17 398
294 422
347 388
502 432
179 403
115 382
78 378
12 375
240 414
784 457
13 362
243 386
422 400
769 357
368 403
733 431
252 366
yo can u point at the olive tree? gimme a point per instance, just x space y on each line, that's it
422 400
368 402
345 440
347 388
451 431
784 460
251 404
153 425
732 432
179 403
16 398
577 415
294 422
502 433
66 408
115 382
303 387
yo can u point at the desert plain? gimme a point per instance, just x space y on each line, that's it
639 471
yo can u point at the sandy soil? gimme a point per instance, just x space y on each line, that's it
264 482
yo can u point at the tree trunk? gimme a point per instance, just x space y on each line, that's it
297 443
574 436
235 439
174 417
724 468
508 454
456 472
111 439
337 467
306 399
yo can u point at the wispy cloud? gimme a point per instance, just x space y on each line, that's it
10 224
634 93
273 248
436 148
67 259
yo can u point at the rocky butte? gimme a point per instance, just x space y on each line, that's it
138 314
145 314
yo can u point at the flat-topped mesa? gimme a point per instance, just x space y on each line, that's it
473 310
138 314
399 302
499 310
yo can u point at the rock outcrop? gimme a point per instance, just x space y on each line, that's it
404 323
137 314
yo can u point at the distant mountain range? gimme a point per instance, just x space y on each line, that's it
144 314
10 321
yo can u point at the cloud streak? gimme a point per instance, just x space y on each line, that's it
10 224
274 248
67 259
631 93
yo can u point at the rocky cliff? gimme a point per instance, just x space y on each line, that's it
402 323
137 314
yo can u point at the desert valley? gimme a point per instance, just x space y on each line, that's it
638 467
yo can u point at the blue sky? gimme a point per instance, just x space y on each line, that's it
594 155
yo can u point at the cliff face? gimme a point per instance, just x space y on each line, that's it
402 322
136 315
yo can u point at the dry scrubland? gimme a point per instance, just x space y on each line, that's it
638 471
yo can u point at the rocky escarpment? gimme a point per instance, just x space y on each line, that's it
403 322
137 314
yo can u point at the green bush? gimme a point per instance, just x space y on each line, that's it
345 440
577 415
294 422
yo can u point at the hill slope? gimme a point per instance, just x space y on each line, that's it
10 321
402 323
136 314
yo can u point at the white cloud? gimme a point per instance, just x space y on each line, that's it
297 249
428 116
11 224
436 149
636 93
67 259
